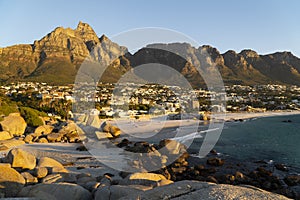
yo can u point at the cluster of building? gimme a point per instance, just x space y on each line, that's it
135 99
262 97
39 90
129 99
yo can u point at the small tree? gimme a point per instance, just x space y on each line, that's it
31 116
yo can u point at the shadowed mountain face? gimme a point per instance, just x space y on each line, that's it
56 58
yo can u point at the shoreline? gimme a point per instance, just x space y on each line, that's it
229 117
151 127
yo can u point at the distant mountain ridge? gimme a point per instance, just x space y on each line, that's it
57 56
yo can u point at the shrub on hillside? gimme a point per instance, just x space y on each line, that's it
32 116
7 107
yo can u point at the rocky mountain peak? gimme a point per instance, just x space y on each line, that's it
57 31
60 32
248 53
234 60
209 48
214 54
285 55
232 56
84 27
86 32
106 50
173 47
230 52
104 38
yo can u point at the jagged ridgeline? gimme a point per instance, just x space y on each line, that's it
56 58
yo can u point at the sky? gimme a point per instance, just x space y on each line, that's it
265 26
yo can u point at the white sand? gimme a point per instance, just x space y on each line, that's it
248 115
151 127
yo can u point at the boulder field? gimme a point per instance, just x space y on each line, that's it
25 176
178 175
13 127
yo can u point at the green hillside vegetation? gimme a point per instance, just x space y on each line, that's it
7 106
32 116
58 72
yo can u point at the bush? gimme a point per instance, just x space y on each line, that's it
7 106
32 116
7 109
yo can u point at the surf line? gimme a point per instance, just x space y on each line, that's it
192 136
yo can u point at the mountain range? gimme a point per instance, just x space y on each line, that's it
57 57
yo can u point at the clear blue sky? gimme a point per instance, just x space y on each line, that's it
262 25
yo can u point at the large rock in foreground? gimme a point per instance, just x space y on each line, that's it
115 192
20 159
185 190
114 131
8 144
4 135
143 178
11 182
43 130
56 191
14 124
94 121
52 165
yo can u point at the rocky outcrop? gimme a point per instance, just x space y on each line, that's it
14 124
43 130
29 179
18 169
56 191
16 62
40 172
241 69
201 190
87 33
19 158
51 164
54 137
8 144
143 178
184 190
248 53
119 191
49 179
168 157
215 161
5 135
65 132
93 120
11 182
110 131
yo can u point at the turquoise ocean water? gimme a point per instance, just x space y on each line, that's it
266 138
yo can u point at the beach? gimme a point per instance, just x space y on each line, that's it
149 128
248 115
